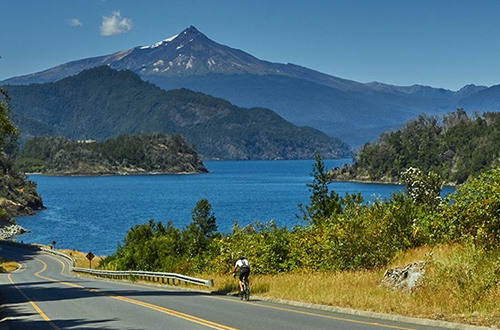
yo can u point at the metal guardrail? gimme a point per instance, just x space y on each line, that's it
164 278
157 277
59 254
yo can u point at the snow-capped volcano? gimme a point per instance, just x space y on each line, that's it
353 111
188 53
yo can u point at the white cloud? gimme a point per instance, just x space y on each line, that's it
115 24
75 22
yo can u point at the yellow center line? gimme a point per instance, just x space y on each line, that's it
314 314
175 313
37 309
164 310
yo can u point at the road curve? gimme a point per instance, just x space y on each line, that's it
43 294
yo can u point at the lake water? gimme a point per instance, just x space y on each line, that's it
94 213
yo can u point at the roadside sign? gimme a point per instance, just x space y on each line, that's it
90 256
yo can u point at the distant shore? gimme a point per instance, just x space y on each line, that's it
118 173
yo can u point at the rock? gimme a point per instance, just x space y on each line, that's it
7 232
406 278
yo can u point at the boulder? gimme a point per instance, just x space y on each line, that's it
8 232
405 278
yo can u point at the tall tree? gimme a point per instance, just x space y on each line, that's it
202 226
324 203
8 132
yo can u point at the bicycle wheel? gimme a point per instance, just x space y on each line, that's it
247 291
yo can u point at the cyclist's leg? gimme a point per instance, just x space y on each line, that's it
245 276
247 273
241 278
247 287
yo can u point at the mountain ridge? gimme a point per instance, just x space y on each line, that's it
353 111
102 103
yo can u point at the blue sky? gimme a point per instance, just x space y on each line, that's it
438 43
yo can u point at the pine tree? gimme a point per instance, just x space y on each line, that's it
324 203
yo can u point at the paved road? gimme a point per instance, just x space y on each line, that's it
43 294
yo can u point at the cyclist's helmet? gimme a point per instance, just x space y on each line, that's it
242 257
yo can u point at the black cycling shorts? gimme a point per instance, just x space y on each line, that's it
244 272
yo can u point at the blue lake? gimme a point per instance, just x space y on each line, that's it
94 213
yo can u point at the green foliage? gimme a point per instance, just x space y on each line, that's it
18 196
154 246
8 132
474 214
203 218
323 203
345 241
422 189
157 153
148 247
265 245
454 148
198 233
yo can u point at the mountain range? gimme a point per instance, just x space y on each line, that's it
352 111
102 103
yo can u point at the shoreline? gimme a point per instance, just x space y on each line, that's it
448 184
114 174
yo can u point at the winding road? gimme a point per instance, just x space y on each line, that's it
44 294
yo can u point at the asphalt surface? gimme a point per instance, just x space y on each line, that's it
43 294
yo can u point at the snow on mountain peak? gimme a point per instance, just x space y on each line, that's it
160 43
191 31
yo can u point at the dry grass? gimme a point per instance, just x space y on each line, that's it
363 290
7 266
81 259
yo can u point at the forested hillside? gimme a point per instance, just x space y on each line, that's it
18 196
102 103
155 153
454 147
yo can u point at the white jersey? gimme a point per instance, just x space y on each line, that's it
242 263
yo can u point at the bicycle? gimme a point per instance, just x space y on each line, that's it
246 290
245 294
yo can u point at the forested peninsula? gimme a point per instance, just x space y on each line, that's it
454 147
156 153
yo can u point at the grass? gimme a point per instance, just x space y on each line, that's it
442 296
80 258
7 266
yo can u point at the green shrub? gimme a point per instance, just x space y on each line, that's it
474 214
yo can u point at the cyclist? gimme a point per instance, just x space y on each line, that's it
244 266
